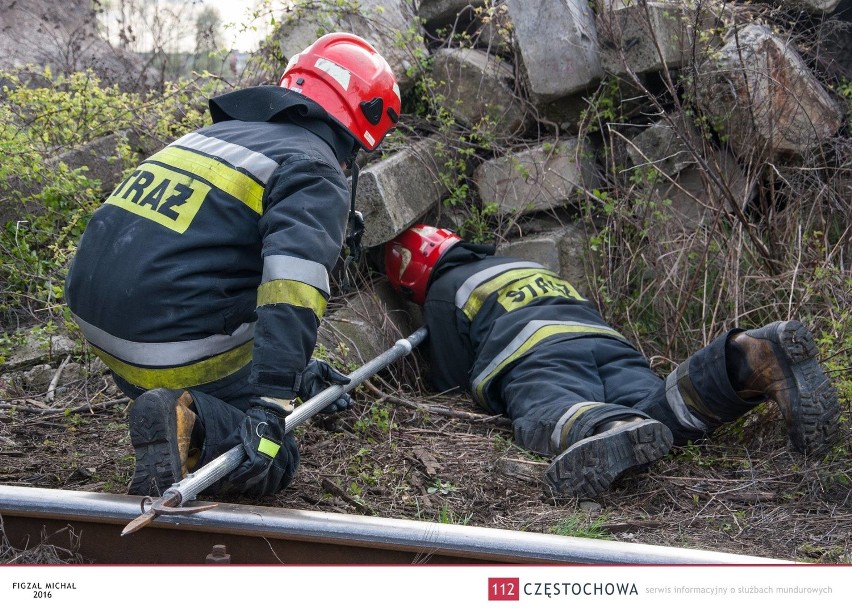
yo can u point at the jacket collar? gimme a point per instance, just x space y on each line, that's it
273 104
459 254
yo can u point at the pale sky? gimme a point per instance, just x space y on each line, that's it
235 14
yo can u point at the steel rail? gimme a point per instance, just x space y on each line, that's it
269 535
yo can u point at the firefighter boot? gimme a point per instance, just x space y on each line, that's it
778 363
161 424
588 467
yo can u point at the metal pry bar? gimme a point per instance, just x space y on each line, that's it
187 488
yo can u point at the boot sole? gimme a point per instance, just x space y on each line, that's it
152 434
589 467
816 419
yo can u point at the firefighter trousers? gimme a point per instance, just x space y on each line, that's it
558 394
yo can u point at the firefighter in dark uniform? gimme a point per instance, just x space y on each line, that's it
202 279
528 346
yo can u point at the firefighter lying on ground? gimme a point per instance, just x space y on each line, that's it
202 279
528 346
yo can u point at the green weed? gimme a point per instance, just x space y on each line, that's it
581 525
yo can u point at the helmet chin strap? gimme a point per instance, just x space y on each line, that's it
355 232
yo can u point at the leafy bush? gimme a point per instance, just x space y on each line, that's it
46 202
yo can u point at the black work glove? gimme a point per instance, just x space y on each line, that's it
317 376
261 434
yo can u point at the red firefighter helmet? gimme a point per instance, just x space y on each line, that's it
346 76
411 256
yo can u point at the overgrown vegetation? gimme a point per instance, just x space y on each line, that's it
671 269
773 238
45 202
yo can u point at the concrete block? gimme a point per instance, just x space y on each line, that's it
662 146
563 250
648 37
762 97
544 177
692 201
395 192
557 46
369 322
542 248
437 13
818 7
38 347
477 86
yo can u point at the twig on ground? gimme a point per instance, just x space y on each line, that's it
51 388
436 410
45 410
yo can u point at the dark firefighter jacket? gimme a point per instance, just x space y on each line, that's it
485 312
215 252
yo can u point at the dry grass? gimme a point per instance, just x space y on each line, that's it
403 454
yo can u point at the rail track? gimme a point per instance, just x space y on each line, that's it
267 535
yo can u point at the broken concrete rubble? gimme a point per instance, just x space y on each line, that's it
651 36
760 94
437 13
477 87
368 323
564 250
548 175
687 178
398 190
557 45
379 22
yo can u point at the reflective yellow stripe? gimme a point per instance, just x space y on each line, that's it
482 292
296 293
516 277
541 334
177 377
231 181
541 284
267 447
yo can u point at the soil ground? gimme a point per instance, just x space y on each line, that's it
401 453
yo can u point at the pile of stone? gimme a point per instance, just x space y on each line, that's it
528 69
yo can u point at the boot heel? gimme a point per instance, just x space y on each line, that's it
797 341
588 468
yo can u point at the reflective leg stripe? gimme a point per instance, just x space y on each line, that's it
531 335
241 186
267 447
177 377
677 379
476 289
560 432
295 293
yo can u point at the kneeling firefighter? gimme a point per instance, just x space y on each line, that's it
527 345
202 279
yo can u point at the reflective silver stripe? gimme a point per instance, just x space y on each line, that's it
295 269
165 354
469 286
256 163
335 71
524 335
679 408
556 435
